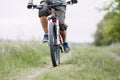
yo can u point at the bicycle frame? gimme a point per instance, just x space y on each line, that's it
53 19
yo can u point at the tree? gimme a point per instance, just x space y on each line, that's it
108 30
111 30
98 34
114 6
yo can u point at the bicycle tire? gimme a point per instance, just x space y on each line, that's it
54 49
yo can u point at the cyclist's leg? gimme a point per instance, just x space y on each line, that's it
63 28
44 23
43 13
63 35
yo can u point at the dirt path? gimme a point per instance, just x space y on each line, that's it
37 72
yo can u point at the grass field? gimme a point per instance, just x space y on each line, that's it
86 63
83 63
19 56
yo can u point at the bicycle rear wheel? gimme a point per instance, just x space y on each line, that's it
54 48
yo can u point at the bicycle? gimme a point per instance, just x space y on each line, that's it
55 39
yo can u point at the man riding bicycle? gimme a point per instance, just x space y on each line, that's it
43 13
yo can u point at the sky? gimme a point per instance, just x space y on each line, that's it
17 22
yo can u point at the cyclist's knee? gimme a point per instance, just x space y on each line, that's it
63 27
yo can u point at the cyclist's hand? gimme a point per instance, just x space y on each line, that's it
74 1
30 5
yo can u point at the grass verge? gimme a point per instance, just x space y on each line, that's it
85 63
19 56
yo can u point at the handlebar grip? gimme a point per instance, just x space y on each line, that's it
68 2
72 2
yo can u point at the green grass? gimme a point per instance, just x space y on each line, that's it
115 48
18 56
85 63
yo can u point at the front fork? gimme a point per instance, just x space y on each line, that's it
58 38
56 30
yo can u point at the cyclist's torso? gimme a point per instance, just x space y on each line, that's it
63 2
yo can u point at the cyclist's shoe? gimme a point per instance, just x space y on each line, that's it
45 38
66 47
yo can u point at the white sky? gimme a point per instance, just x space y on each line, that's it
17 22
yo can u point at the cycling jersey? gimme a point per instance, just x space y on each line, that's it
57 2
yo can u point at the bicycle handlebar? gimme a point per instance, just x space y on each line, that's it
51 6
38 6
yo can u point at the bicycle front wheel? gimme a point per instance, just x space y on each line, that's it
54 48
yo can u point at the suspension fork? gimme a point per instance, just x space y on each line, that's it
57 33
59 40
